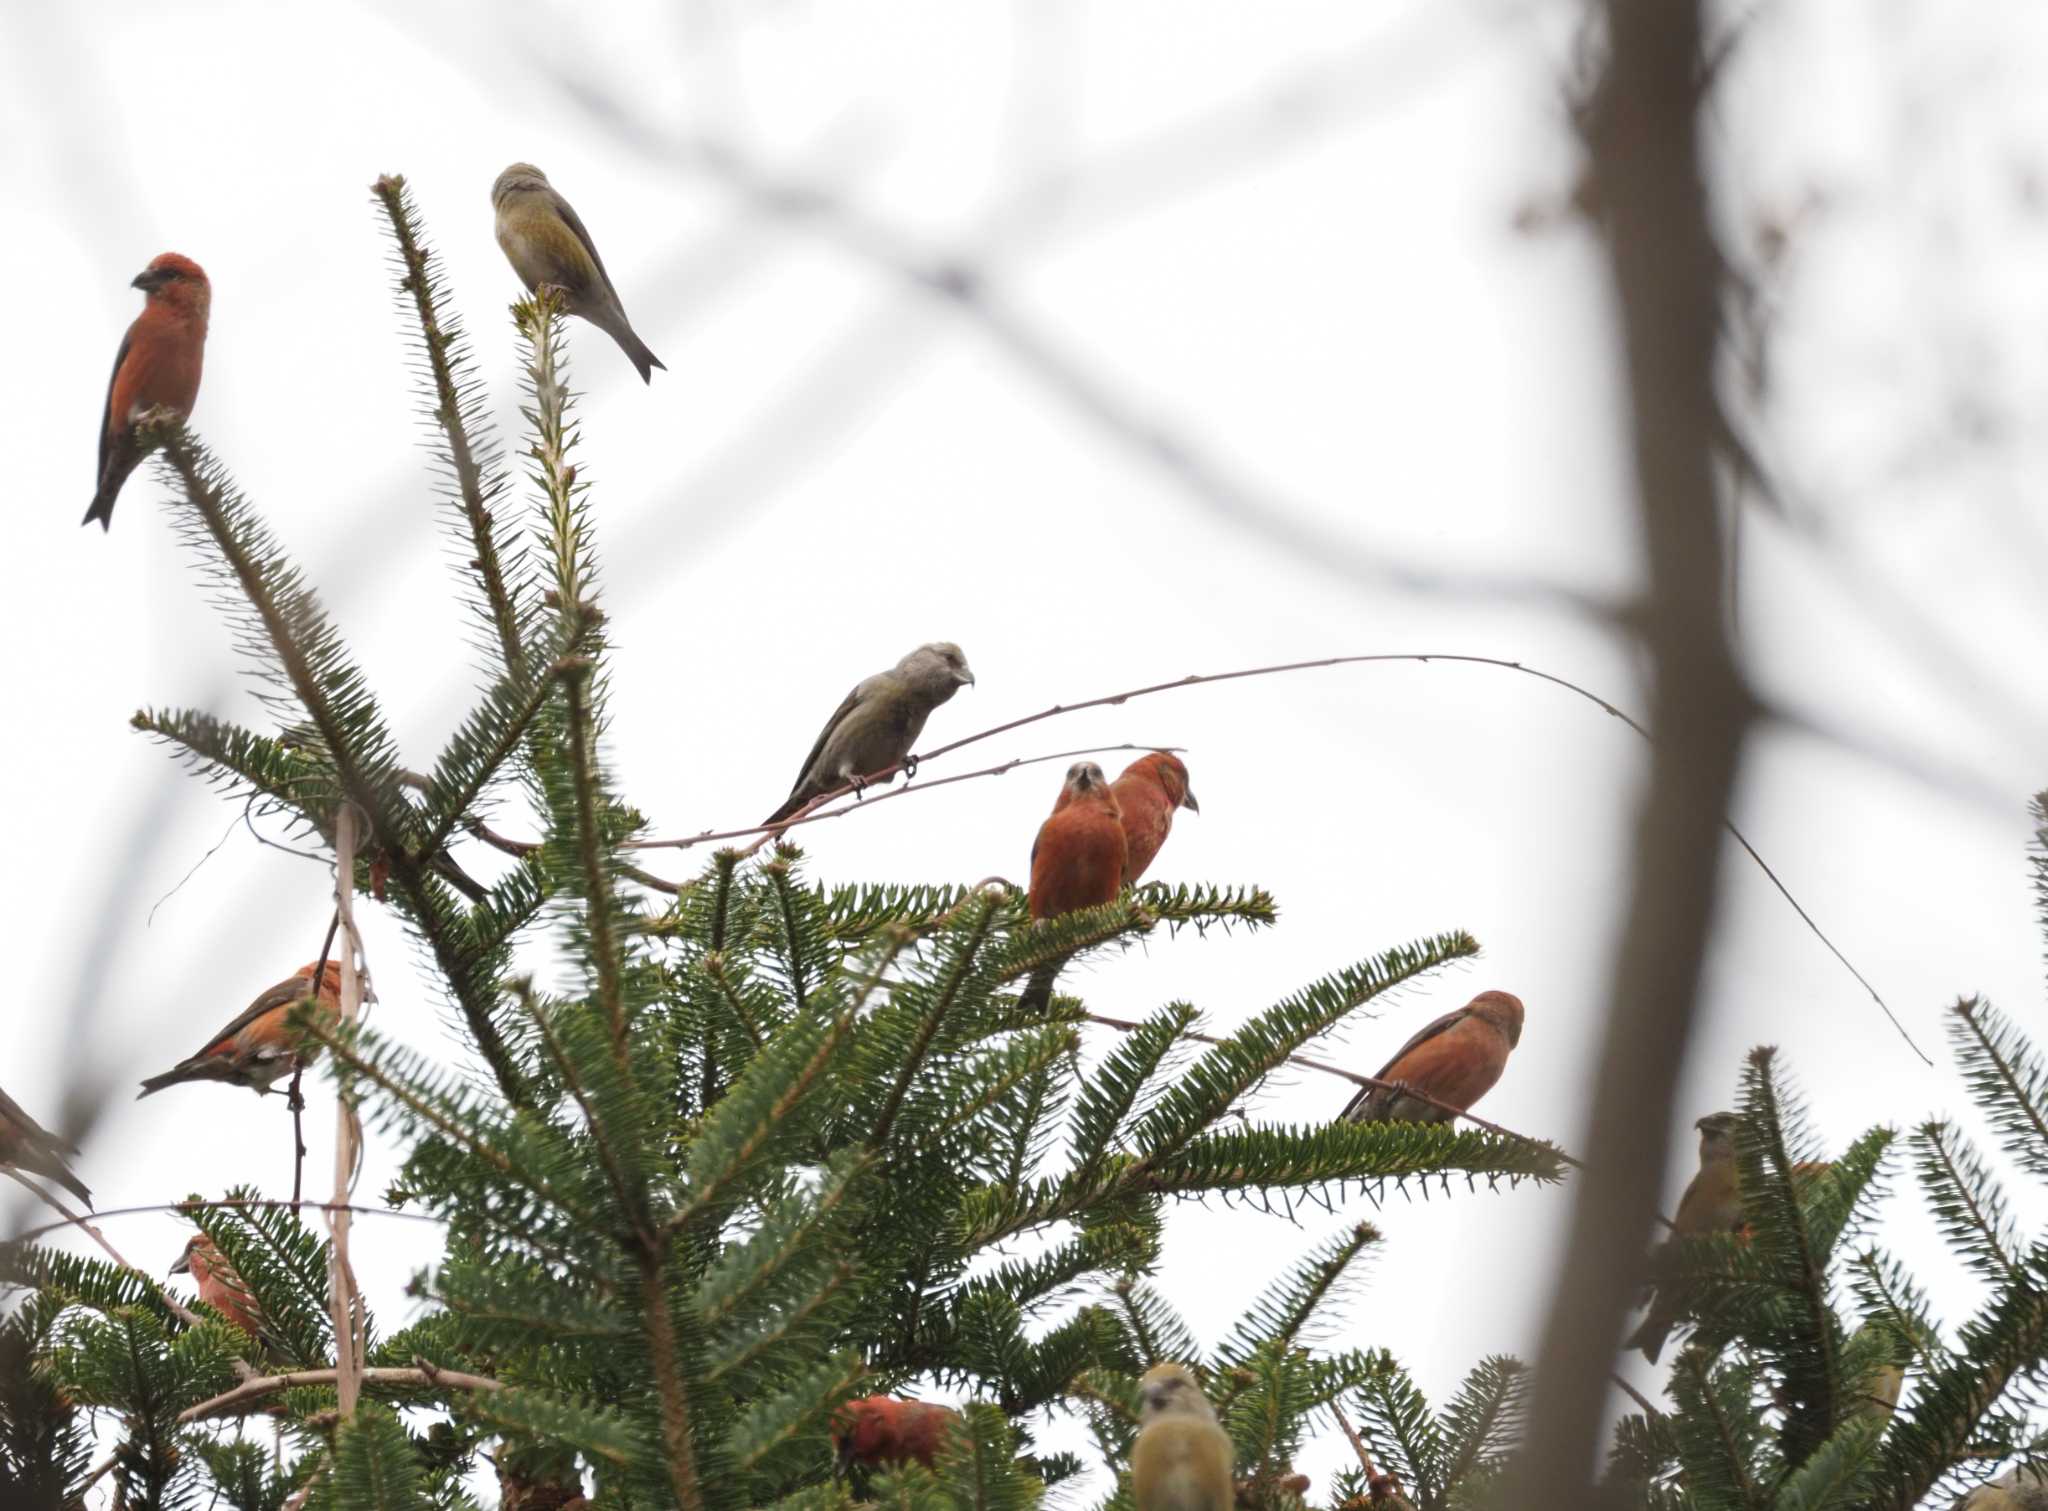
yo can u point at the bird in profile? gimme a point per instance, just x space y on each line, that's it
544 240
28 1146
1147 793
257 1046
880 720
1712 1204
1181 1460
222 1288
1454 1060
157 367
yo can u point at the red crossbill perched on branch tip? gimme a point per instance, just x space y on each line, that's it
545 242
885 1430
1181 1460
1077 861
878 723
1456 1059
157 367
28 1146
1147 792
223 1289
257 1047
1712 1204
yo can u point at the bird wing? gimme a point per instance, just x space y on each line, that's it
1422 1035
569 217
35 1133
282 995
838 717
107 409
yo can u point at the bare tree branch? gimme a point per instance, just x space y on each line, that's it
1642 131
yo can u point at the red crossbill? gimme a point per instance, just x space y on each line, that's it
545 242
27 1145
257 1048
1077 861
1181 1460
1456 1059
878 723
1147 792
885 1430
157 367
1712 1204
221 1288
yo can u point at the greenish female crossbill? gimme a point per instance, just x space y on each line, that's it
1712 1204
1181 1461
545 242
880 720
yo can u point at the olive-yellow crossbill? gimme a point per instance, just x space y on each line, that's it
545 242
1712 1204
157 367
27 1145
878 723
884 1430
1181 1460
1147 792
257 1046
1456 1060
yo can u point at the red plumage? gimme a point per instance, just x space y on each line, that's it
157 367
257 1047
879 1430
1456 1059
1147 793
1077 861
223 1289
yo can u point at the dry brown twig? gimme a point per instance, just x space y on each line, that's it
346 1299
423 1373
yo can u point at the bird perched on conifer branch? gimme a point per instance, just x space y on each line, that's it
257 1047
544 240
1181 1460
157 367
1455 1060
1147 793
1712 1204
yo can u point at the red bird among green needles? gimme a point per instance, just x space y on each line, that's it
878 1431
1147 793
157 367
28 1146
257 1046
1454 1060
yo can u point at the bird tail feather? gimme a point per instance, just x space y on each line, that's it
1038 989
102 510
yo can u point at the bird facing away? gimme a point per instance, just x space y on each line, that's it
886 1430
878 723
28 1146
545 242
1147 792
223 1289
157 367
1181 1460
1712 1204
1456 1059
257 1048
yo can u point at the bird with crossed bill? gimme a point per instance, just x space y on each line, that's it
1712 1204
157 367
1147 793
1181 1460
1077 861
877 723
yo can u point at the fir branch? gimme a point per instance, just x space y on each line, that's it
963 967
457 405
2006 1077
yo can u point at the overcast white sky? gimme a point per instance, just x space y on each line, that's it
1284 233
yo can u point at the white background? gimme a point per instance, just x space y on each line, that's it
1324 250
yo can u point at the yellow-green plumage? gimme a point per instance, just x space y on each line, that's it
546 243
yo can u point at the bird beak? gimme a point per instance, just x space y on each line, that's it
964 675
183 1265
147 279
1187 801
